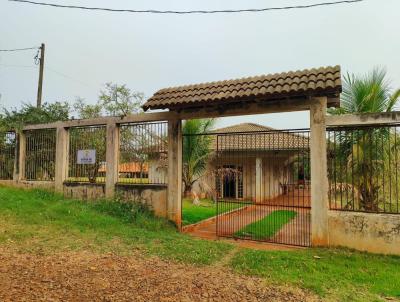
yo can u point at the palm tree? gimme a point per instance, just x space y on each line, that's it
196 150
358 148
367 94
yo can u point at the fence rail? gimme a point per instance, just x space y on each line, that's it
363 168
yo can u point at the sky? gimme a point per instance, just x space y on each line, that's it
86 49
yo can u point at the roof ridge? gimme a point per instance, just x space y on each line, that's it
322 81
260 77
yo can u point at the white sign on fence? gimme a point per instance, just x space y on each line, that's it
86 157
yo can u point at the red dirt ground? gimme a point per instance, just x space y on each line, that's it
85 276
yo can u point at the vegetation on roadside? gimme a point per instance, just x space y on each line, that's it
268 226
37 221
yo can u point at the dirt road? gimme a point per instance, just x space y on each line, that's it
85 276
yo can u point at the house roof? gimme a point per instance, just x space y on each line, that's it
243 127
324 81
255 137
129 167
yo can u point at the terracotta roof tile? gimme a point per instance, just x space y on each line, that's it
248 136
309 82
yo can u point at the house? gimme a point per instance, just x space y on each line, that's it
252 162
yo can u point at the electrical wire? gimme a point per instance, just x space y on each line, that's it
19 49
51 70
152 11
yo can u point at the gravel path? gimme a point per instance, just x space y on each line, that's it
85 276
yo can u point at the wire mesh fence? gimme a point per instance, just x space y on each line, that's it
363 168
143 153
7 154
40 156
87 154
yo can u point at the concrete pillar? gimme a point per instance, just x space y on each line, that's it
174 200
62 153
21 155
112 159
16 158
319 173
259 179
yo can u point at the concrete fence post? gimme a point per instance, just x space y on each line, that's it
62 153
319 173
21 156
112 158
174 199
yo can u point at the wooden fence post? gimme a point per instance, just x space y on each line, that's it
62 153
112 158
174 200
319 173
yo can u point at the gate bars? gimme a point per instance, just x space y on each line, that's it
263 186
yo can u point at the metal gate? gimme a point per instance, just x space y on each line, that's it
262 185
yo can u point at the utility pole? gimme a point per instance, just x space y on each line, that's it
40 84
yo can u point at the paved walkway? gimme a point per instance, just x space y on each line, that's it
296 232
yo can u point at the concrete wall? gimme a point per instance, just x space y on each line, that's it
47 185
154 196
377 233
85 191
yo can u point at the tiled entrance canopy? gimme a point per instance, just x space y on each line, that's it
324 81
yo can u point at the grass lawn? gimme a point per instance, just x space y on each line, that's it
40 222
207 208
268 226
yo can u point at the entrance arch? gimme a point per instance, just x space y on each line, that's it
310 89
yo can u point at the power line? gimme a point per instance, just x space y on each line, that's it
18 66
19 49
51 70
152 11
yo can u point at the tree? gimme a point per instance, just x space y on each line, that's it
367 94
196 150
28 114
120 100
358 149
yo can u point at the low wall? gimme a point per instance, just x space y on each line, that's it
47 185
155 196
84 190
377 233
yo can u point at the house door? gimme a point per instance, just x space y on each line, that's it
229 184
